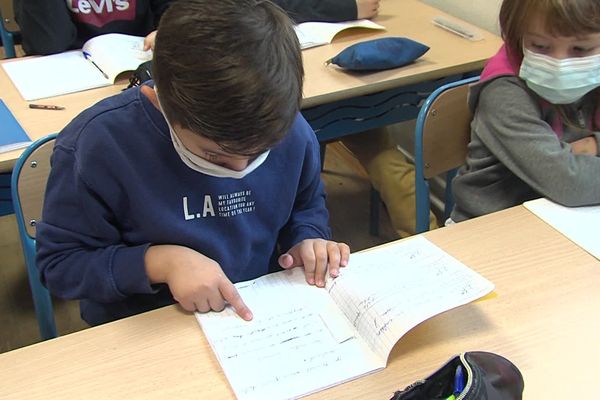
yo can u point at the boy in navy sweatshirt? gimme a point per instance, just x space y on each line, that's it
172 191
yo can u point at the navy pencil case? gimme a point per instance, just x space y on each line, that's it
482 376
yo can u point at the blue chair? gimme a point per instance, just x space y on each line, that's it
28 186
442 135
8 28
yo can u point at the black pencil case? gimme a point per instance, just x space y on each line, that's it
487 376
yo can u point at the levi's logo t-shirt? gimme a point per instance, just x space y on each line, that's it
101 12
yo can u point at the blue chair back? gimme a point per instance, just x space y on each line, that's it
28 187
442 135
8 28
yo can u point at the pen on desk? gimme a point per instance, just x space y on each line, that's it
45 107
87 57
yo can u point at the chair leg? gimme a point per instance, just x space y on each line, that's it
7 43
375 203
322 149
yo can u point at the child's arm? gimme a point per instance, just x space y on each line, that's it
587 145
305 238
509 122
46 26
319 10
82 255
196 281
158 8
367 8
80 250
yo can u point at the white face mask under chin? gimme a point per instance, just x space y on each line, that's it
560 81
201 165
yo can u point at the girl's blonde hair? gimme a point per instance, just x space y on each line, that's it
559 17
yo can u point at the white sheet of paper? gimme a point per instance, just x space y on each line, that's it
58 74
579 224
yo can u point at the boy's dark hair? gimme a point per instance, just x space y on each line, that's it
229 70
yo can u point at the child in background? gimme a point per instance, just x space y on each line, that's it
172 192
329 10
389 171
54 26
536 109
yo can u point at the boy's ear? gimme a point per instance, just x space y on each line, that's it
150 95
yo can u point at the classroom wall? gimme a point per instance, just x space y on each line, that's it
483 13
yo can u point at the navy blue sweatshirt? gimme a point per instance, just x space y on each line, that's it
117 186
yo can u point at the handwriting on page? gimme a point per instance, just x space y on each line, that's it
280 350
388 292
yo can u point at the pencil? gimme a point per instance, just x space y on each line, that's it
45 107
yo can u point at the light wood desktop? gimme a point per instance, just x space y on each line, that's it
544 316
449 54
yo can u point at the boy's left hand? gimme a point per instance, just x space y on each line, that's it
317 256
149 41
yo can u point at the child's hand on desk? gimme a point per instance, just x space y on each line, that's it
317 256
587 145
196 281
367 8
149 41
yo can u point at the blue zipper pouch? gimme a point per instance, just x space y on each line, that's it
379 54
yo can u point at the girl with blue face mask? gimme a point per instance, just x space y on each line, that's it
536 111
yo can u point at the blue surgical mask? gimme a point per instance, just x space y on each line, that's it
560 81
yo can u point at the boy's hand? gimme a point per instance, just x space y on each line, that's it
367 8
196 281
317 256
149 41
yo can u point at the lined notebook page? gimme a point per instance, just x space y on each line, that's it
292 347
396 287
579 224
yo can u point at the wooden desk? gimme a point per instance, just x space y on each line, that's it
324 86
545 317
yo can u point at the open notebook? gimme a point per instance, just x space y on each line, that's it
97 64
312 34
304 339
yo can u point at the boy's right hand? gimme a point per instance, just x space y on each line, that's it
196 281
367 8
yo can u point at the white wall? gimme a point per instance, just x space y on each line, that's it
483 13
